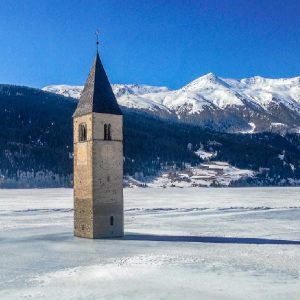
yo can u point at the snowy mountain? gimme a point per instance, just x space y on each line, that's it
247 105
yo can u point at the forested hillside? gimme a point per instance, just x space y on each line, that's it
36 143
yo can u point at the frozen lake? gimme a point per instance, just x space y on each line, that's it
228 243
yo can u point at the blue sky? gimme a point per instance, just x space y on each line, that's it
153 42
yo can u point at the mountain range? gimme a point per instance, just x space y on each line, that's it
165 132
248 105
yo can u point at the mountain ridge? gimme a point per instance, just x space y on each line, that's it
247 105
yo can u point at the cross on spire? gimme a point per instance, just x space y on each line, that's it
97 38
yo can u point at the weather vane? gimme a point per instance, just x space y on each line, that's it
97 38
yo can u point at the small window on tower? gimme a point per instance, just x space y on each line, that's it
107 132
82 132
111 221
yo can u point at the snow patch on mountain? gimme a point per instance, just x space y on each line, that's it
73 91
251 130
137 89
205 155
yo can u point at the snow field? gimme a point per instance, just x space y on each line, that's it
197 243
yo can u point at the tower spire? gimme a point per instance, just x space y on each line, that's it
97 39
97 95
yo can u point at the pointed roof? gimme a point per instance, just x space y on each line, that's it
97 95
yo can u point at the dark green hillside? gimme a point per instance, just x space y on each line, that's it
35 132
36 143
147 138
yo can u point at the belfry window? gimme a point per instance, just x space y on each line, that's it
107 132
82 132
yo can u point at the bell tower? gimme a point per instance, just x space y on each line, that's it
98 159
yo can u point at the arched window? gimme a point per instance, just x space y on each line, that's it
107 132
111 221
82 131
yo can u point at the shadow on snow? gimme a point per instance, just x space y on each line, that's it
207 239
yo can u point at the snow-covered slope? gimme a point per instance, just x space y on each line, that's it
264 92
245 105
128 95
205 175
73 91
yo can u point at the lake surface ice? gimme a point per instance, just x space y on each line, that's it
193 243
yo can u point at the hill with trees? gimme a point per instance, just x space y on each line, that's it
36 144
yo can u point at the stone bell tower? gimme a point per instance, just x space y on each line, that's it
98 159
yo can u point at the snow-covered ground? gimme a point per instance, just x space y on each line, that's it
227 243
